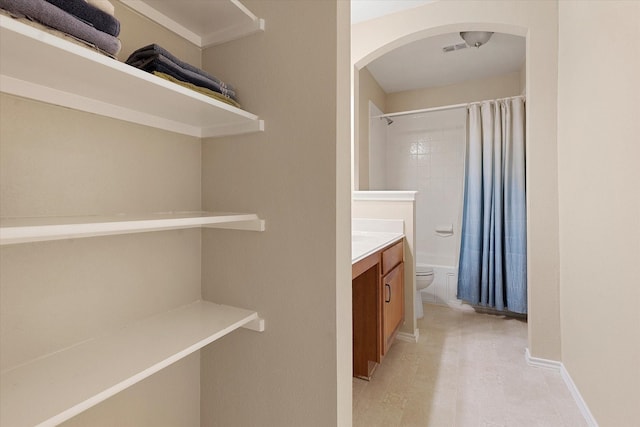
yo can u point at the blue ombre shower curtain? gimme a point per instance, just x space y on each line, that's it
493 252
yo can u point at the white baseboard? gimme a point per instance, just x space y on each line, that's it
582 405
542 363
405 336
559 367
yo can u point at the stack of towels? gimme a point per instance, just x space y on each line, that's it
90 21
158 61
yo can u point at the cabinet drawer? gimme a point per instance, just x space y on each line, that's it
392 257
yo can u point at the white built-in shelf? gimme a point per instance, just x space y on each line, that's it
41 66
203 23
23 230
52 389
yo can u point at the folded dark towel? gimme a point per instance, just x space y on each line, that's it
199 89
154 49
90 14
164 65
54 17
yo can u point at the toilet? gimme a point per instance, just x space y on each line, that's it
424 278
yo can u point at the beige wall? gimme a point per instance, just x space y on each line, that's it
366 90
473 90
538 22
137 31
288 375
598 128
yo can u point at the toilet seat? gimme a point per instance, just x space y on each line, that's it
424 271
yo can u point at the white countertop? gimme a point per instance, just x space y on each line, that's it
365 243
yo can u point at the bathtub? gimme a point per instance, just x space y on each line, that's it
444 287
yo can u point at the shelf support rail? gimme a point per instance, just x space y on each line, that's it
256 325
247 225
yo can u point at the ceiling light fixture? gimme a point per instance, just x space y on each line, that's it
476 38
454 47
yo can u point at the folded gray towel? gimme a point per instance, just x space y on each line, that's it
154 50
90 14
165 65
54 17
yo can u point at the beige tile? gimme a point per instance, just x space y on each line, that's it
485 413
467 369
440 415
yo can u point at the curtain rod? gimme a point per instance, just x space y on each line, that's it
442 108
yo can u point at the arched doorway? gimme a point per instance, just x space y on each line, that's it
538 23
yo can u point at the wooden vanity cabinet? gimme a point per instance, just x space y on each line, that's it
378 306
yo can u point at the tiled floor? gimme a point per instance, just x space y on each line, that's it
468 369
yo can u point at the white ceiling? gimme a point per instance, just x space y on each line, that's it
363 10
423 64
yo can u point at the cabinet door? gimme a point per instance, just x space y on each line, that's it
392 304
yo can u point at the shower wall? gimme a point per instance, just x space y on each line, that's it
425 152
377 150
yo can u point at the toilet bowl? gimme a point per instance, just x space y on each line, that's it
424 278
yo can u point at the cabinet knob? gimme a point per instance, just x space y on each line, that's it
388 286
